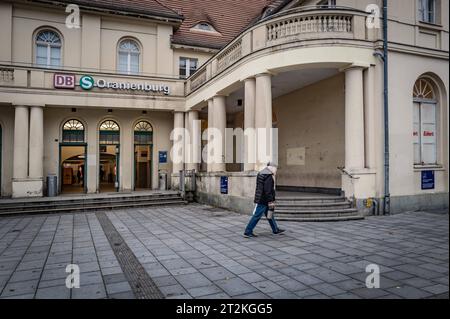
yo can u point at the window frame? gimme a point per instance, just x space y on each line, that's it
48 48
188 69
109 135
74 133
429 16
420 103
128 56
327 4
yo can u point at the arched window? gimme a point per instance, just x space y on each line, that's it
424 123
48 48
73 132
143 133
129 55
109 133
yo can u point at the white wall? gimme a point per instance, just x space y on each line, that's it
312 118
404 71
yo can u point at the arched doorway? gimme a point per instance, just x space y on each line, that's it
143 142
72 156
109 161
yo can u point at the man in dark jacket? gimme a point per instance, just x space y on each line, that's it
264 200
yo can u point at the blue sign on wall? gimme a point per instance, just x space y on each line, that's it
162 156
224 184
427 179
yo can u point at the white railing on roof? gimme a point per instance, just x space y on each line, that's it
285 27
317 23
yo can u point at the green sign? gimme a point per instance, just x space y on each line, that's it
86 82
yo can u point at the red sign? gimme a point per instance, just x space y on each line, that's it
428 133
64 81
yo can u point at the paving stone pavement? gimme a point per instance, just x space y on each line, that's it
197 252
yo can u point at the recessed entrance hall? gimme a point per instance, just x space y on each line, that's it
143 140
72 154
109 150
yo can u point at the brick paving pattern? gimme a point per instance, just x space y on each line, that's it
195 251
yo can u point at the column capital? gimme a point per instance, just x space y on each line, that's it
356 65
265 73
250 78
219 95
29 105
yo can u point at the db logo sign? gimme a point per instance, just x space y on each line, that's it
64 81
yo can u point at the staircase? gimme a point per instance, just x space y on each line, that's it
68 204
315 209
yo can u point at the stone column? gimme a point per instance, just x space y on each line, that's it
178 124
220 123
369 117
249 124
20 164
210 166
194 140
93 156
187 141
263 120
354 119
36 150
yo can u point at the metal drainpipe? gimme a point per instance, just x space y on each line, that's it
387 201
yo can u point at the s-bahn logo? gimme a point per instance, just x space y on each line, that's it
86 82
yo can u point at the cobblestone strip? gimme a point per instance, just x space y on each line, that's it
141 284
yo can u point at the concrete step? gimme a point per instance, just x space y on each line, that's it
85 202
311 200
320 219
313 206
97 207
315 211
310 215
95 197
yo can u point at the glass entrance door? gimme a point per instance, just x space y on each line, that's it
73 169
109 168
143 142
142 166
109 161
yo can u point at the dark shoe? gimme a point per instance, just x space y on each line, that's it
279 231
250 235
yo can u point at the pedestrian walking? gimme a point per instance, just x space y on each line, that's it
264 200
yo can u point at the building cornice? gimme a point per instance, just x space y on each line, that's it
112 10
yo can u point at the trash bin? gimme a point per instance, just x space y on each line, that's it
162 181
52 185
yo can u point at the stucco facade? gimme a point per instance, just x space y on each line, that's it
311 72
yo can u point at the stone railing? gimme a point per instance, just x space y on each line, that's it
6 74
301 25
198 79
285 27
229 56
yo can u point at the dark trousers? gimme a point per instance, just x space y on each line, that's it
257 214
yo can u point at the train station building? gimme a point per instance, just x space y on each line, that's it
93 98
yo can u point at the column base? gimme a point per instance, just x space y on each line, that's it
362 186
27 187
